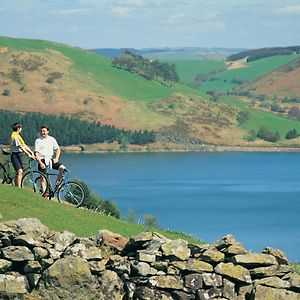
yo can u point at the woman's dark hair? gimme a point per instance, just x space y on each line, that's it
16 126
45 126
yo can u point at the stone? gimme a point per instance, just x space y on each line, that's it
62 240
294 281
228 289
212 256
269 293
5 241
9 228
32 226
40 253
111 285
178 248
68 271
195 265
173 271
13 285
119 264
244 291
5 265
209 294
235 249
144 269
252 260
273 282
180 265
146 293
179 295
17 253
279 270
98 266
33 279
196 249
225 242
235 272
193 282
32 267
166 282
46 262
146 256
212 280
112 240
27 240
85 251
280 255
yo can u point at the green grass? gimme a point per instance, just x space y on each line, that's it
114 81
259 118
188 69
258 68
217 85
296 267
16 203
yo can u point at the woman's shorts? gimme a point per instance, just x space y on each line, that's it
17 160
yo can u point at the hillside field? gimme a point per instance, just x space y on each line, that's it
47 77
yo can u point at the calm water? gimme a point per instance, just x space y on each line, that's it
254 196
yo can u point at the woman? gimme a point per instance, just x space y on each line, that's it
17 148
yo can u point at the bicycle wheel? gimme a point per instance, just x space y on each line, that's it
71 192
35 181
4 176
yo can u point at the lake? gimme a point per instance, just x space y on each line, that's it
254 196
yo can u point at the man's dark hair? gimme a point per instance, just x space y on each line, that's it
16 126
45 126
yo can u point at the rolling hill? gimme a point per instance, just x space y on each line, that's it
52 78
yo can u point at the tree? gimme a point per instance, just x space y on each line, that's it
291 134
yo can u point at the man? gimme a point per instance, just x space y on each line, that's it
45 147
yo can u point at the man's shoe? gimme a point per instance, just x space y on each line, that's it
46 195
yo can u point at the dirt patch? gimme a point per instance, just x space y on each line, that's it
237 64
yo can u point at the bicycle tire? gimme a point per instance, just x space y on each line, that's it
3 175
32 181
71 192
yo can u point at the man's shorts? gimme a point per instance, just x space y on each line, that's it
17 160
55 166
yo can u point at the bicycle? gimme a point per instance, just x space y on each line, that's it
67 191
29 178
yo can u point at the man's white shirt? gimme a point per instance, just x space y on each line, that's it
46 147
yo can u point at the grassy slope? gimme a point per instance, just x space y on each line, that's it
128 86
188 69
16 203
252 71
259 118
258 68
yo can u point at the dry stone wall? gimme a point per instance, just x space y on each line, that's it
36 263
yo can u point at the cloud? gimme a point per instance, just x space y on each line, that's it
176 19
73 11
122 11
129 3
290 9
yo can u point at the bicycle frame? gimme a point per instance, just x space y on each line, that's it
7 164
52 190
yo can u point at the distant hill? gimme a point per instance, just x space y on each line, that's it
255 54
51 78
170 53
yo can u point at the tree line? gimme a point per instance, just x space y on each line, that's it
149 69
264 52
69 130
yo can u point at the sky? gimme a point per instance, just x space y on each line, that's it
154 23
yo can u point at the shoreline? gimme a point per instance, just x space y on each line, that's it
113 148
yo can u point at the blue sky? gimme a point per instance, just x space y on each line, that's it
154 23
